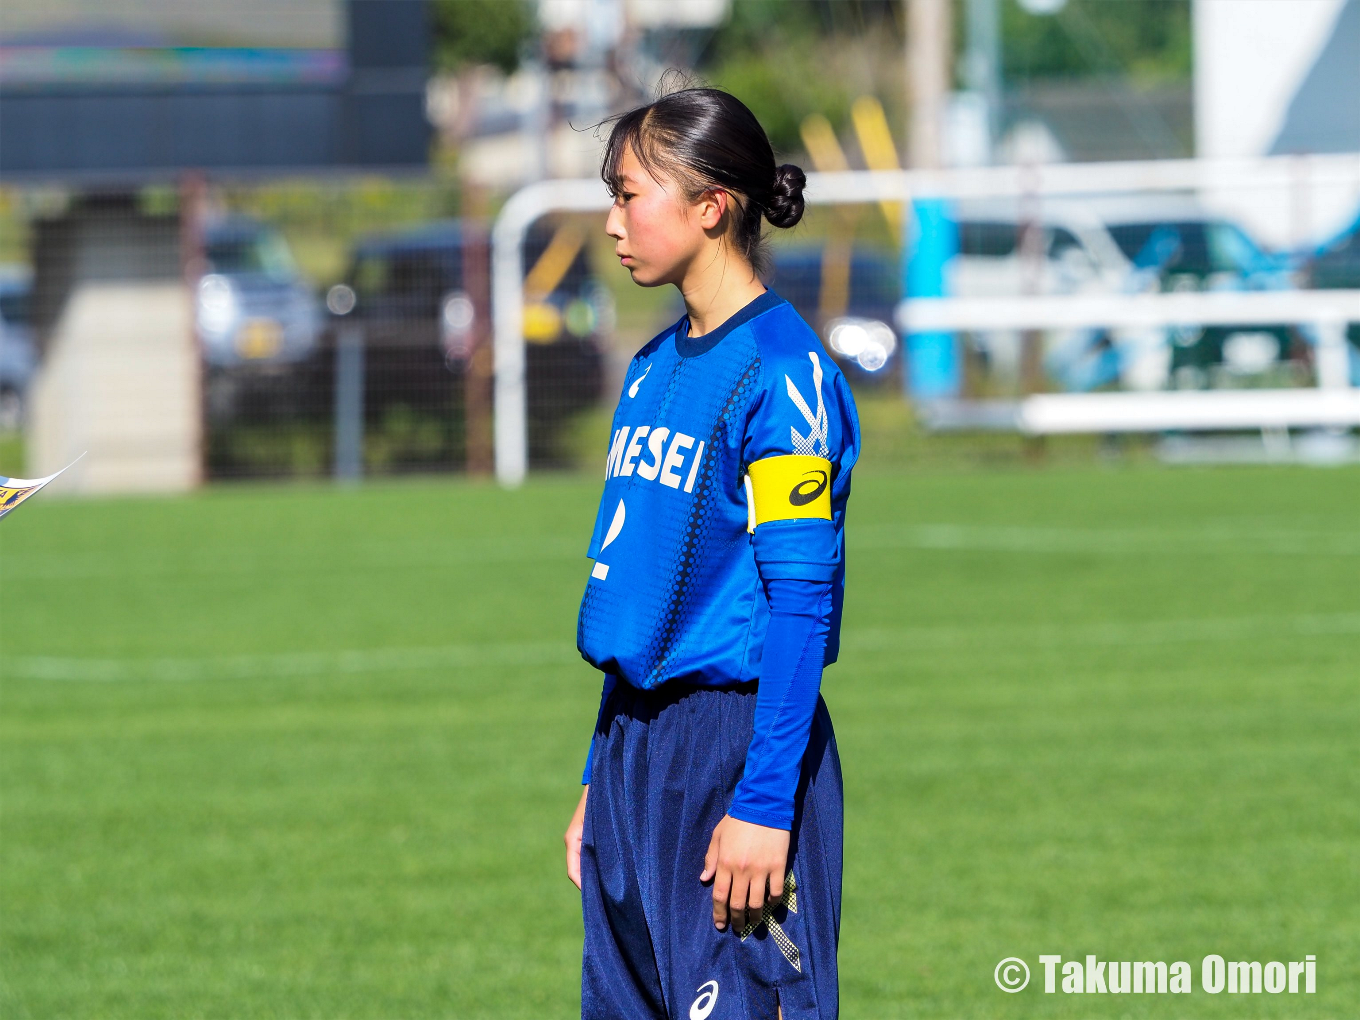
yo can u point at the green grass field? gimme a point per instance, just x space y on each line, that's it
298 752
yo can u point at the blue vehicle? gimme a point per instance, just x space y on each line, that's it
18 357
408 294
1185 249
253 306
1335 265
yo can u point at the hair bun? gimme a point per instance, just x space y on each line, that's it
786 198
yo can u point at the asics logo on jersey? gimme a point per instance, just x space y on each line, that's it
703 1005
669 458
632 390
814 443
801 495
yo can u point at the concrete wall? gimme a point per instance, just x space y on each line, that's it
119 381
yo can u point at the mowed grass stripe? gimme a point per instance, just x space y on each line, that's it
451 553
536 654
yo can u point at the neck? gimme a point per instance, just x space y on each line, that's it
716 292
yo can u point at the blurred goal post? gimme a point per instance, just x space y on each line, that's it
1068 180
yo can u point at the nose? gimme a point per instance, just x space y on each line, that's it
613 224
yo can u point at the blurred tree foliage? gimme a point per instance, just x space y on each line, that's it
777 55
1148 40
480 32
781 93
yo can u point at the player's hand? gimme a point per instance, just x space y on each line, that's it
744 861
573 839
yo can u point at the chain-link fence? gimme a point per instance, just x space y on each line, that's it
352 328
387 369
297 329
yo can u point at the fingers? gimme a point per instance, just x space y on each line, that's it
747 865
573 842
722 887
756 897
741 889
711 858
776 885
574 866
573 837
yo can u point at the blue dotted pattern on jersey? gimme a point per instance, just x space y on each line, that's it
696 542
714 391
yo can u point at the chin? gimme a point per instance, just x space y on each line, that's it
648 278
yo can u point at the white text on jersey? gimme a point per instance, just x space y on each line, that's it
625 457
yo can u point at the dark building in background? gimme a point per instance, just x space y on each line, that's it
109 104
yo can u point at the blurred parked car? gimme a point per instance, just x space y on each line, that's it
408 294
1071 251
853 318
1335 265
1201 251
1068 252
253 305
1125 246
17 354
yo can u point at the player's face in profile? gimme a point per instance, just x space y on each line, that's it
654 229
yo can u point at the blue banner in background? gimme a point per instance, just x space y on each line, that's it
933 366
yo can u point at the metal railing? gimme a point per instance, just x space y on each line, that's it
888 187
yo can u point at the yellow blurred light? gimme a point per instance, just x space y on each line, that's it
819 138
880 152
542 323
259 338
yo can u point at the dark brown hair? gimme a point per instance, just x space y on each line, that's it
703 138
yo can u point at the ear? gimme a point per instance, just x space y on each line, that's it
712 205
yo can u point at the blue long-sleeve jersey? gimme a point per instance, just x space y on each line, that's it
728 469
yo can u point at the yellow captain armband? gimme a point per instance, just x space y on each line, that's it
787 488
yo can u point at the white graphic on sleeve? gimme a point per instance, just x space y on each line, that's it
814 443
703 1005
632 390
601 570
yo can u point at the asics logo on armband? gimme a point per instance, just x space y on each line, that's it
788 488
808 489
655 454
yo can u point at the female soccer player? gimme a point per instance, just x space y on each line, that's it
707 841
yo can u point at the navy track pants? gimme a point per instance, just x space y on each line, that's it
664 766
